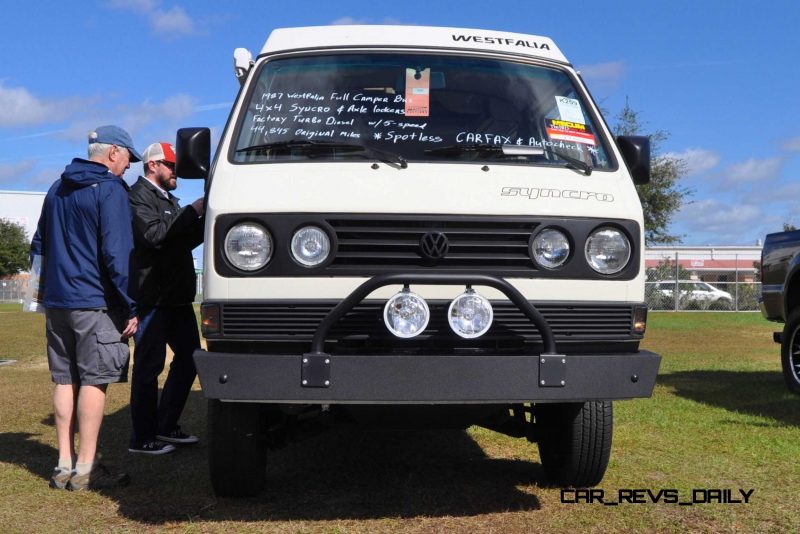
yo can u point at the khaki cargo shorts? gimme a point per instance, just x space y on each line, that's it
86 347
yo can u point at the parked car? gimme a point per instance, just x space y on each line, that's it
693 291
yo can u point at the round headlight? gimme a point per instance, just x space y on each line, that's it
550 248
406 314
310 246
470 315
608 250
248 246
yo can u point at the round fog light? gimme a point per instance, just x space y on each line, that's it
470 315
406 314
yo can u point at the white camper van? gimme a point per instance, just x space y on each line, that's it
418 226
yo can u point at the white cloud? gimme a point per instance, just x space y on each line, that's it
754 170
347 20
212 107
698 160
172 22
608 74
18 107
144 6
168 23
134 117
44 178
715 221
13 171
792 145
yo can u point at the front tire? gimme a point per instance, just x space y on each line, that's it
575 441
790 351
237 453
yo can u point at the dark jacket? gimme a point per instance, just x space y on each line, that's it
165 235
85 237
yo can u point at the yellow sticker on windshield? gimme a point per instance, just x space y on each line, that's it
569 131
418 88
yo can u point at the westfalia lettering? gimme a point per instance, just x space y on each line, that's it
535 192
502 40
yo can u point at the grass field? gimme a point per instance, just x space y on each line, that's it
720 418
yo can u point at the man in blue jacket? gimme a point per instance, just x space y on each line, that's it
84 235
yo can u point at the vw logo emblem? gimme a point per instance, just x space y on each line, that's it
433 245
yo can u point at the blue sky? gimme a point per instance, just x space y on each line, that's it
721 77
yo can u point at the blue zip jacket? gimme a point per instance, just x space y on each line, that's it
85 236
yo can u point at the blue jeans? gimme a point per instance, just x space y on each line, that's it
159 327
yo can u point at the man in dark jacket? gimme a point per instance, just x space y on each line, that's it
85 239
165 235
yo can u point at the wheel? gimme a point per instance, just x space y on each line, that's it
237 453
790 351
575 441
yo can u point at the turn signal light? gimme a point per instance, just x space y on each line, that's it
209 319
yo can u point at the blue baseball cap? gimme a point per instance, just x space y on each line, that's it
114 135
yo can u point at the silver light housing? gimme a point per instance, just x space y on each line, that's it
311 246
550 248
470 315
608 250
406 314
248 246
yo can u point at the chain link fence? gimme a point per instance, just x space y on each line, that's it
703 280
13 289
671 285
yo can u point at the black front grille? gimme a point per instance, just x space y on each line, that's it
473 244
365 245
297 322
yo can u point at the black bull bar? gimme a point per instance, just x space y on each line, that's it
319 377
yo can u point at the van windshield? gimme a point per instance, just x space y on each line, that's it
398 107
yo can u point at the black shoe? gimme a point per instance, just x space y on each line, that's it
152 447
176 436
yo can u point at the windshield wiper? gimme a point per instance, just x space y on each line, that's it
312 146
572 161
468 148
509 151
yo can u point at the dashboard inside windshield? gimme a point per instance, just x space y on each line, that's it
416 107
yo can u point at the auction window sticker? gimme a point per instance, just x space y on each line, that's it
418 89
570 109
575 132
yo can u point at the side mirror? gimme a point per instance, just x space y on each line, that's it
242 61
636 153
193 152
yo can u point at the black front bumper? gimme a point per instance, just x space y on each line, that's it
428 379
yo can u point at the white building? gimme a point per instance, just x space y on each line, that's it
22 207
709 263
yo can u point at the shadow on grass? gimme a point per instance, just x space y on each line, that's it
344 474
761 393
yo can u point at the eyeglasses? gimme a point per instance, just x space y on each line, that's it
168 164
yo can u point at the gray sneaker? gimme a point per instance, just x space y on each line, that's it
100 477
60 478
